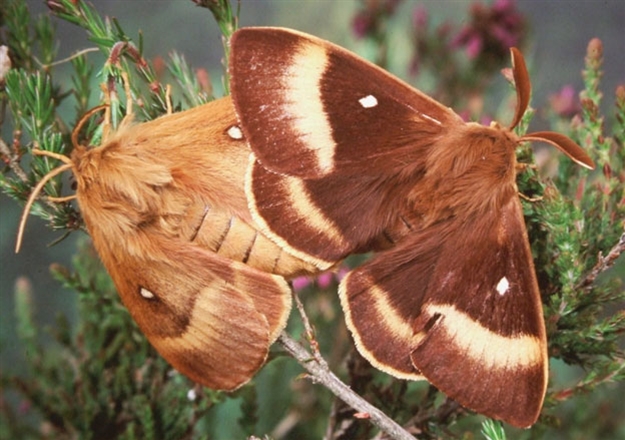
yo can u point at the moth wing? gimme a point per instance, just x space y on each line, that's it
314 219
463 310
211 318
309 107
331 132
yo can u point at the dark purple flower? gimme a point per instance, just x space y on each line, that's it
420 17
362 24
492 30
372 15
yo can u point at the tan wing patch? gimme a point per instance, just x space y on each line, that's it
225 342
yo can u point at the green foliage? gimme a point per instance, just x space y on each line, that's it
493 430
584 235
100 378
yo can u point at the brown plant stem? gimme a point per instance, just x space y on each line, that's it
320 373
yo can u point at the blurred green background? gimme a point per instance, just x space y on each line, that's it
559 33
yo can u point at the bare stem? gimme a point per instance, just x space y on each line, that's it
604 263
321 374
13 161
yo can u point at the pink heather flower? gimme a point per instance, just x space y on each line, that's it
341 273
325 280
300 283
473 46
24 407
565 102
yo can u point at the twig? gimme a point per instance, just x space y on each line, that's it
604 263
310 333
321 374
587 385
13 161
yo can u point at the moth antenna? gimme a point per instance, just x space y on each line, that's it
523 92
168 99
564 144
106 125
521 83
35 193
77 129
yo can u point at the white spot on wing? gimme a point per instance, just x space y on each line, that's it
502 286
235 132
146 293
368 101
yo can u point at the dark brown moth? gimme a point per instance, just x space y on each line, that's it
164 203
350 159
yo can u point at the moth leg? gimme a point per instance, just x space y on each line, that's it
531 199
61 199
520 167
106 124
310 331
108 90
128 93
168 99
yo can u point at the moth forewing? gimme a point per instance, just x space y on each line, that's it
380 124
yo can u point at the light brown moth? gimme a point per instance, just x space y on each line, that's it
351 159
164 203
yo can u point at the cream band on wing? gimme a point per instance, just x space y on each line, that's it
308 210
387 316
485 346
304 104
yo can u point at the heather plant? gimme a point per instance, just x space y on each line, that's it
98 378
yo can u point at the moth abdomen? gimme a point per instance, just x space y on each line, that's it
233 238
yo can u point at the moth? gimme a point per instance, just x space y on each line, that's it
348 158
164 203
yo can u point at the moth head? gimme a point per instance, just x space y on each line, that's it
69 163
523 91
